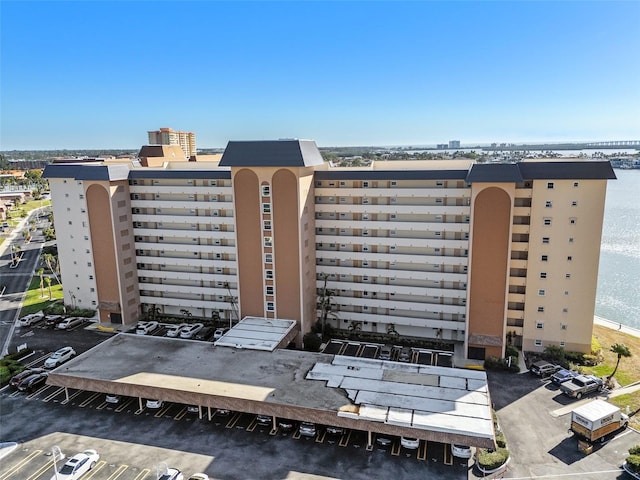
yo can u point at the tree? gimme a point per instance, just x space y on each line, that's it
40 273
325 303
52 264
15 254
621 350
47 280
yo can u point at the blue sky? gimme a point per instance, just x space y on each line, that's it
100 74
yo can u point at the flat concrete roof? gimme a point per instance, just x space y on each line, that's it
283 383
259 333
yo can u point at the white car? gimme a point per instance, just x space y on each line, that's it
29 320
171 474
409 443
155 404
59 357
77 465
112 398
175 330
199 476
219 333
460 451
145 328
190 330
69 323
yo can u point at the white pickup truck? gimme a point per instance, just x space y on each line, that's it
581 385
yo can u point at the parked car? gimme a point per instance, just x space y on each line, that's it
383 441
205 334
460 451
335 431
171 474
219 333
69 323
385 352
190 330
264 419
30 320
77 465
174 330
32 382
51 321
409 443
544 369
307 429
563 375
59 357
154 404
193 409
405 354
145 328
286 425
16 379
582 385
112 398
222 412
199 476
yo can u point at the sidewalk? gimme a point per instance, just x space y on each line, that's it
616 326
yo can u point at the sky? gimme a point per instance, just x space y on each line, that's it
93 74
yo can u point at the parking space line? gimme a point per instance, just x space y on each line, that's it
344 440
72 396
38 360
273 431
252 426
120 470
41 470
89 400
139 411
124 405
164 410
143 474
38 392
320 437
90 474
296 435
233 420
53 395
181 414
20 464
422 450
395 448
448 456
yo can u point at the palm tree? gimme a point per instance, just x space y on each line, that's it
621 350
40 273
47 280
325 303
52 264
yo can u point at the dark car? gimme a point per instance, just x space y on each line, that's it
16 379
264 419
286 425
563 375
544 369
205 334
52 321
33 381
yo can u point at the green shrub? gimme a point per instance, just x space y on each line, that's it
635 450
633 462
501 441
555 354
495 363
574 357
511 351
596 348
590 360
491 460
311 342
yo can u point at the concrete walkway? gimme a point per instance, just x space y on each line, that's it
616 326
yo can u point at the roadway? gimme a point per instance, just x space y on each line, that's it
14 282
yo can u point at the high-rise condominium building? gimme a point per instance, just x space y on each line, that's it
169 136
471 256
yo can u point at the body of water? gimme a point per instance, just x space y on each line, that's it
618 297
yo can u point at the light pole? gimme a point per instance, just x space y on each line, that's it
55 452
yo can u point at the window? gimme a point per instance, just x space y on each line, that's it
576 184
266 191
268 274
574 204
566 292
545 240
266 224
365 201
569 258
541 293
543 274
343 184
570 239
539 325
538 343
394 183
271 307
572 221
544 258
266 208
269 289
547 221
563 326
365 184
268 241
548 204
540 309
565 310
562 344
268 257
567 275
550 185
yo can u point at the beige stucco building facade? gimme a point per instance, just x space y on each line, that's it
471 256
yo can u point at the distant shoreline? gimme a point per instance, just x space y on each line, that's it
616 326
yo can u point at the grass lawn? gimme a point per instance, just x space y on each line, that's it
34 302
628 372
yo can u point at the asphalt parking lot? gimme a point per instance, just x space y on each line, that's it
535 418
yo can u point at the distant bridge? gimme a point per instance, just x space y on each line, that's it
625 144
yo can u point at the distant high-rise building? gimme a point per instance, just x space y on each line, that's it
442 146
454 143
169 136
